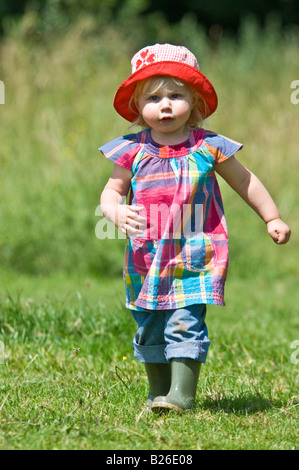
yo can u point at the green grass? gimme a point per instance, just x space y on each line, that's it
65 382
70 381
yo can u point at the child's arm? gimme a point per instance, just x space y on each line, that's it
250 188
113 198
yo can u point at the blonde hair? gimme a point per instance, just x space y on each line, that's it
198 113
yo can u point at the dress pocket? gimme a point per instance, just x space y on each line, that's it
197 252
143 253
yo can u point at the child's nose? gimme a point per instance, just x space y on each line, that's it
165 103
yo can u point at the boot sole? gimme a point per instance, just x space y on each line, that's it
160 406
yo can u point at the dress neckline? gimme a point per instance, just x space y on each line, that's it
171 151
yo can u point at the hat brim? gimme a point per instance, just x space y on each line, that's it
184 72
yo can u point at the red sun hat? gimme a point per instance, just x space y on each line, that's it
163 60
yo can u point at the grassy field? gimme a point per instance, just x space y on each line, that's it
68 379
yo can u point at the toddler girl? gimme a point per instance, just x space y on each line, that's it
176 254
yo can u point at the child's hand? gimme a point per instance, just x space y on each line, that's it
279 231
129 221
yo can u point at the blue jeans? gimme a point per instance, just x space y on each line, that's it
167 334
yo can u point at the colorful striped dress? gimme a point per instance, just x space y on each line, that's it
182 257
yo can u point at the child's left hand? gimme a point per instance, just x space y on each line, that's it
279 231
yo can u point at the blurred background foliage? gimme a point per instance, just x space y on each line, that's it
141 19
61 62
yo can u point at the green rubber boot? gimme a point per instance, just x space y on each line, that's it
184 378
159 379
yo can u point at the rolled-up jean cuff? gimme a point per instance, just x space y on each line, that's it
154 354
163 353
197 350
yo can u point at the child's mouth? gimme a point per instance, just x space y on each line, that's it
166 119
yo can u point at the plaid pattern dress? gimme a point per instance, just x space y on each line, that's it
182 257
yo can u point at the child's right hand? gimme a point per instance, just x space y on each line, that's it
129 221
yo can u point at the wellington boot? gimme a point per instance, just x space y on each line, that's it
159 379
184 378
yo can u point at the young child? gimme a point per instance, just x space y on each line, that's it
176 254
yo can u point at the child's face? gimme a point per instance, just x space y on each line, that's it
166 112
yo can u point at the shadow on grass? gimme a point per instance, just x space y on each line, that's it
242 405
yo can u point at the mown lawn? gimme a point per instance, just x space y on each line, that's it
70 381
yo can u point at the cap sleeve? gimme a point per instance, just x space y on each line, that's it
122 150
221 147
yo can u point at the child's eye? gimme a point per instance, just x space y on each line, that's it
176 95
153 98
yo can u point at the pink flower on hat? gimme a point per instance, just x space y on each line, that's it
144 59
